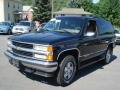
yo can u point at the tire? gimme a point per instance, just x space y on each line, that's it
67 71
108 56
9 32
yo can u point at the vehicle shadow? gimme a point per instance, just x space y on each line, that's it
3 34
81 73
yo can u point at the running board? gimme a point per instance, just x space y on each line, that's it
88 64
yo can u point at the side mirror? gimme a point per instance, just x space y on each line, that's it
90 34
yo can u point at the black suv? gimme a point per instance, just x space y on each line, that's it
63 46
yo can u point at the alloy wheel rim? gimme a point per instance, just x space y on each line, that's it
108 56
68 71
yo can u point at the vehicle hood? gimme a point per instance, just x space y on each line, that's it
42 38
2 27
21 26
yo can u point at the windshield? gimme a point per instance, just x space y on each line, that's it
68 25
24 23
5 23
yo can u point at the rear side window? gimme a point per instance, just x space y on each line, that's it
104 27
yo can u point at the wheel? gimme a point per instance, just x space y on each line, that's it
108 56
67 71
9 32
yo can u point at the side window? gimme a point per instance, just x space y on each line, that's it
105 27
91 27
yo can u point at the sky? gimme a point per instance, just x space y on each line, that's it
96 1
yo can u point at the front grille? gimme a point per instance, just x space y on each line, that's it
23 45
23 53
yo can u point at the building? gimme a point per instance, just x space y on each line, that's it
27 13
10 10
72 11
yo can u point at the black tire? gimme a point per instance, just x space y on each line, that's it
108 56
66 70
9 32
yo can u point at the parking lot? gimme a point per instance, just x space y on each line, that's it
94 77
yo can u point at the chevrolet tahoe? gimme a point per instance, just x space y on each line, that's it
63 46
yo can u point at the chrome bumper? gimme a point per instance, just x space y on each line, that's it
34 64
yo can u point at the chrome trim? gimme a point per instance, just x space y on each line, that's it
28 50
39 65
69 50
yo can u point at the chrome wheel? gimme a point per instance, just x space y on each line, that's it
108 56
68 71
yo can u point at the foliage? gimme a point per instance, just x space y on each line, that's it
110 9
27 2
107 9
73 4
59 4
42 10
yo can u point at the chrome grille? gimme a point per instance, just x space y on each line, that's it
22 52
24 45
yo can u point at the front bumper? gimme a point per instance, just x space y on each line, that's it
3 31
46 67
117 40
19 31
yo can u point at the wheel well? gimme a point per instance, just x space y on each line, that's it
74 53
110 45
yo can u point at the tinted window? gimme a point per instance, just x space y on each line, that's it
69 25
105 27
5 23
25 23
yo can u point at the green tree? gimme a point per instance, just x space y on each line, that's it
74 4
110 9
107 9
59 4
27 2
42 10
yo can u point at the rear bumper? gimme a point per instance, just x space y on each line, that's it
46 67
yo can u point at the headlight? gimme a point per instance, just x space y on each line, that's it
45 52
48 48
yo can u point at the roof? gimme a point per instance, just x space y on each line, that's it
76 16
73 11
